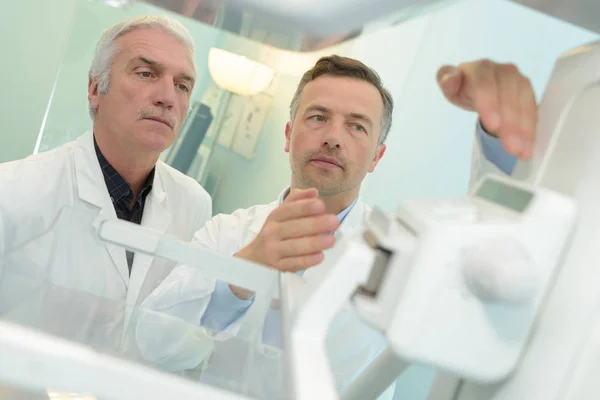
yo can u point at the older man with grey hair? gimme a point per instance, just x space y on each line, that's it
140 82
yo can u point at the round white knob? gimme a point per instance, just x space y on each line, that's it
499 269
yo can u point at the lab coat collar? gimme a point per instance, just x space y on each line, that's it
91 188
354 220
90 183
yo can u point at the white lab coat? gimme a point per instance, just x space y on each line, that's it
350 344
69 178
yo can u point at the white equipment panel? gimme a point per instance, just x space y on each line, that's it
479 275
559 363
505 296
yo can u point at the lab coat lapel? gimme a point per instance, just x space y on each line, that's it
157 217
91 189
258 219
354 221
352 224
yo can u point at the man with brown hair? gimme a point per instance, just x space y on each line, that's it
340 117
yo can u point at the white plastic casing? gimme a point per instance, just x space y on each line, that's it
477 279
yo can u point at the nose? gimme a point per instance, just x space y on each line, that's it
332 137
164 94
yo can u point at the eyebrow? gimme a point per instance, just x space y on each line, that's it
362 117
159 65
148 61
318 108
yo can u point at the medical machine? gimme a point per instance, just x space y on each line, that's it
498 290
312 25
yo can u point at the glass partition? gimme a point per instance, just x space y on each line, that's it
233 144
65 311
50 287
271 25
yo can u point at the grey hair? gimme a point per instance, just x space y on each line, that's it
106 46
339 66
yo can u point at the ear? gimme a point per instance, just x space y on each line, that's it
93 93
288 134
377 156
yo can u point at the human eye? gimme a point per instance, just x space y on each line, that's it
359 128
183 87
145 74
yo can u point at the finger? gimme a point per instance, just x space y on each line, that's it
294 264
450 80
508 93
297 209
528 116
305 245
298 194
482 87
309 226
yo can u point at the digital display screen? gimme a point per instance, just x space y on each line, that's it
501 193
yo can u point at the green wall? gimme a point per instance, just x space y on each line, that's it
33 35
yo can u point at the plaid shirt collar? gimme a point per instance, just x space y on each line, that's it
118 188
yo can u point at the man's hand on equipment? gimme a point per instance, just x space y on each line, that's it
293 237
502 97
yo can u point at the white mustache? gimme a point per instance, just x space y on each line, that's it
167 116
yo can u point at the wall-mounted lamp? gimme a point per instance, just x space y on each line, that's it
117 3
238 74
234 74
